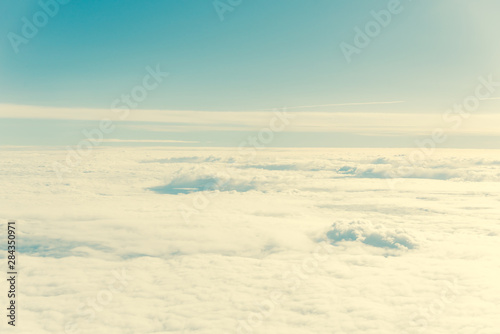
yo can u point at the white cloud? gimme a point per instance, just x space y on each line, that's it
434 269
147 141
344 104
366 123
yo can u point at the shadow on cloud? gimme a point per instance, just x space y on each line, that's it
190 181
57 248
195 159
372 235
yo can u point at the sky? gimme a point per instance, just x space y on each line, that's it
232 63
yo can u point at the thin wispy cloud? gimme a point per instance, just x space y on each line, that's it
149 141
354 122
343 104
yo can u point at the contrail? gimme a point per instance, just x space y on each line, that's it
337 105
346 104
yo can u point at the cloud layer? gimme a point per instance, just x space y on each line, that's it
359 122
293 241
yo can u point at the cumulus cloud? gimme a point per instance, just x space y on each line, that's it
196 179
370 234
309 247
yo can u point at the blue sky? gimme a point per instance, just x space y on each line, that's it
263 55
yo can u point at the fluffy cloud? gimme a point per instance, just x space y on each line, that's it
295 241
